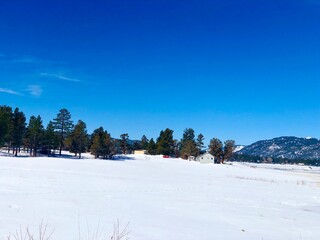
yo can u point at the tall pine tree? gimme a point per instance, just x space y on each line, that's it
124 143
216 149
188 144
200 143
165 142
6 125
19 129
102 144
78 139
152 147
51 140
63 125
35 133
229 146
144 142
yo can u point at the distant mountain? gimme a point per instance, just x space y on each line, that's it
285 147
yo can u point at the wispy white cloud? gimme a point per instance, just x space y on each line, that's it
60 77
9 91
35 90
27 59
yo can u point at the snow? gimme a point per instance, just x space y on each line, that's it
238 148
274 147
159 198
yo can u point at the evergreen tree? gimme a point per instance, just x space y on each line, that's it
51 140
188 135
19 128
165 143
229 146
152 147
78 139
188 149
177 147
124 142
63 125
96 142
144 142
6 125
188 144
136 145
35 133
102 144
200 143
216 148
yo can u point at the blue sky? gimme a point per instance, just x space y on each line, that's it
242 70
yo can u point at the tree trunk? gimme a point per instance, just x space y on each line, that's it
60 150
35 151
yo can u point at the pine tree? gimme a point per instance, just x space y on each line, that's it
124 142
188 144
144 142
200 143
177 147
188 135
152 147
96 142
229 146
216 148
136 145
78 139
109 149
51 140
19 128
6 125
102 144
165 142
35 133
63 125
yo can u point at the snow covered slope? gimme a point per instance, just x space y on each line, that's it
159 198
285 147
238 148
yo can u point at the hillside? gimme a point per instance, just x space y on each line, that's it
159 198
285 147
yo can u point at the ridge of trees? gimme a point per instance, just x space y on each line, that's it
61 134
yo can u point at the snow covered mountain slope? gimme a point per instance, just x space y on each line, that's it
285 147
238 148
160 198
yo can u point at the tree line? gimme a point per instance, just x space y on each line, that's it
62 134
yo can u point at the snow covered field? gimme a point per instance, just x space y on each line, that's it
159 198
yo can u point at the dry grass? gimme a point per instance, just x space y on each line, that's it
25 234
43 234
119 234
255 179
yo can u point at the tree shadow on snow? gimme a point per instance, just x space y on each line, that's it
119 158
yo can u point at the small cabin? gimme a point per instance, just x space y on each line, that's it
140 152
206 158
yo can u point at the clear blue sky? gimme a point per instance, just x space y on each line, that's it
242 70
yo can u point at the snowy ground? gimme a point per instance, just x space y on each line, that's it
159 198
